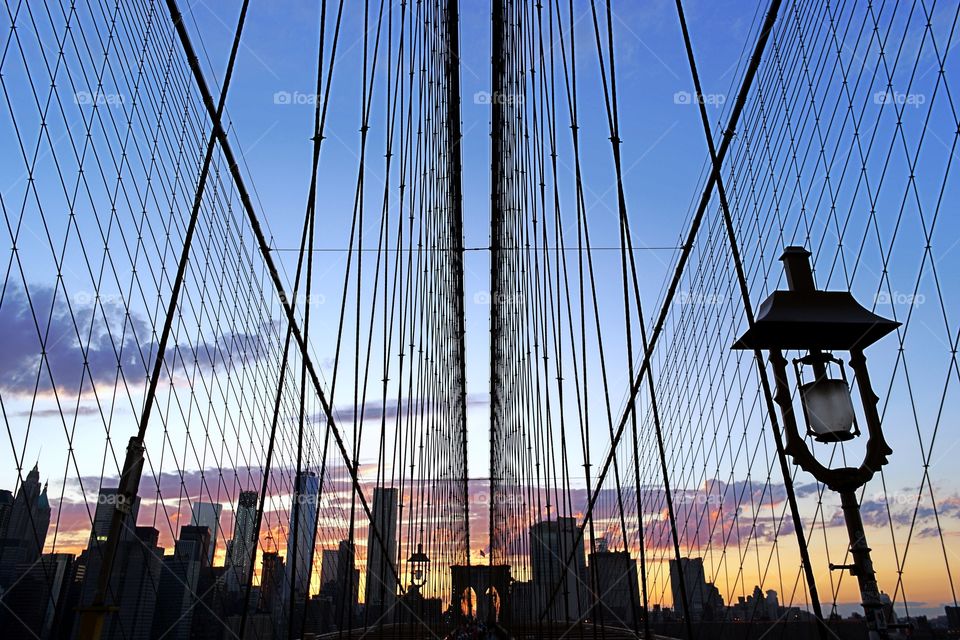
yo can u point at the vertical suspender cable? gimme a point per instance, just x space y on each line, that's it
455 184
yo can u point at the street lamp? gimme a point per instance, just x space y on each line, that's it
819 324
419 564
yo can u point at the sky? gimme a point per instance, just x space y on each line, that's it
270 110
666 141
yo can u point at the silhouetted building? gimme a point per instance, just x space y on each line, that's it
6 506
134 580
26 528
107 500
178 584
240 549
522 598
329 570
347 591
206 514
87 572
36 604
704 598
214 604
274 589
272 581
617 588
381 587
556 583
308 486
953 618
757 607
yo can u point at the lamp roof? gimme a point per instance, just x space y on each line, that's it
419 555
807 318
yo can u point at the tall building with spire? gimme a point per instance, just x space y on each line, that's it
240 548
26 528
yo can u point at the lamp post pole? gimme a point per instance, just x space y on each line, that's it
862 567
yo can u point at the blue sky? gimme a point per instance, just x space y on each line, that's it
278 56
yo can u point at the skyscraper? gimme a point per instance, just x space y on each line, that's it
107 499
347 586
178 583
381 587
27 527
309 489
617 588
6 506
704 598
133 583
272 580
329 570
35 604
240 548
551 543
206 514
88 563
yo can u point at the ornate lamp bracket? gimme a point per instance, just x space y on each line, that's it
877 450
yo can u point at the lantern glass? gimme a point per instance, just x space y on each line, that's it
829 409
419 577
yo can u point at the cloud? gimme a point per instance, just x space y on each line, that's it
375 410
88 341
82 410
905 509
74 340
806 489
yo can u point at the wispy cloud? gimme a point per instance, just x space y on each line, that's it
93 342
376 410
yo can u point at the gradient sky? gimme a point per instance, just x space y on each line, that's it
270 112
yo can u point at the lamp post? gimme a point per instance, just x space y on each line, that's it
819 323
419 565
